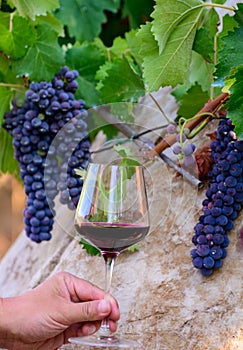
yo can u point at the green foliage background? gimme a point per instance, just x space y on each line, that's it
122 50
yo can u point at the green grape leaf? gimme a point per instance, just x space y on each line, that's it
228 25
199 72
188 109
119 82
118 48
91 250
84 18
16 35
235 103
88 92
4 67
53 22
123 151
175 20
134 48
43 59
103 73
128 159
205 36
33 8
231 48
172 65
133 248
219 2
5 98
124 111
7 162
86 58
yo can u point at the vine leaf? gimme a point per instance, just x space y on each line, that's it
119 82
55 24
199 69
124 111
15 37
84 18
92 250
44 58
86 58
5 98
7 161
205 37
235 103
31 9
230 54
171 66
4 68
174 20
131 38
188 109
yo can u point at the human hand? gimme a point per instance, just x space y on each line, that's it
61 307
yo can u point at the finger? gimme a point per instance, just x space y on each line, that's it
112 326
115 313
88 328
87 311
80 289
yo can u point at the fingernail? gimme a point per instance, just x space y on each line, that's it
91 329
104 306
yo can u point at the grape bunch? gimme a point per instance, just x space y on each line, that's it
47 109
183 151
224 200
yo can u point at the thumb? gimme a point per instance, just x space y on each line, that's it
88 311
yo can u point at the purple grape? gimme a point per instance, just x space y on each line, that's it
197 262
176 149
208 262
188 161
171 128
188 149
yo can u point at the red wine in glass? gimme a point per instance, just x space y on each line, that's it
112 237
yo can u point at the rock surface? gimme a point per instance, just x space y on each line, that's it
165 303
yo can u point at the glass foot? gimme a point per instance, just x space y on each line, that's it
104 342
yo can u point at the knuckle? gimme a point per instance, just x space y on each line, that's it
88 311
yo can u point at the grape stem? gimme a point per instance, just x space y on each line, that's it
207 4
4 56
182 124
160 108
16 86
209 110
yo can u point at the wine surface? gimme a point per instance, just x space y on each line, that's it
111 237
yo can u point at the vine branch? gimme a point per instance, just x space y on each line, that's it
210 108
126 130
4 56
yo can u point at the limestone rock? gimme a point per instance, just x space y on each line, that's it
165 303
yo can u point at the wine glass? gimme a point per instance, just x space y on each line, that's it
112 215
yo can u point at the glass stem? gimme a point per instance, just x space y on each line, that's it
109 266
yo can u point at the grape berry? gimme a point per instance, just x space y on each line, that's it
183 151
